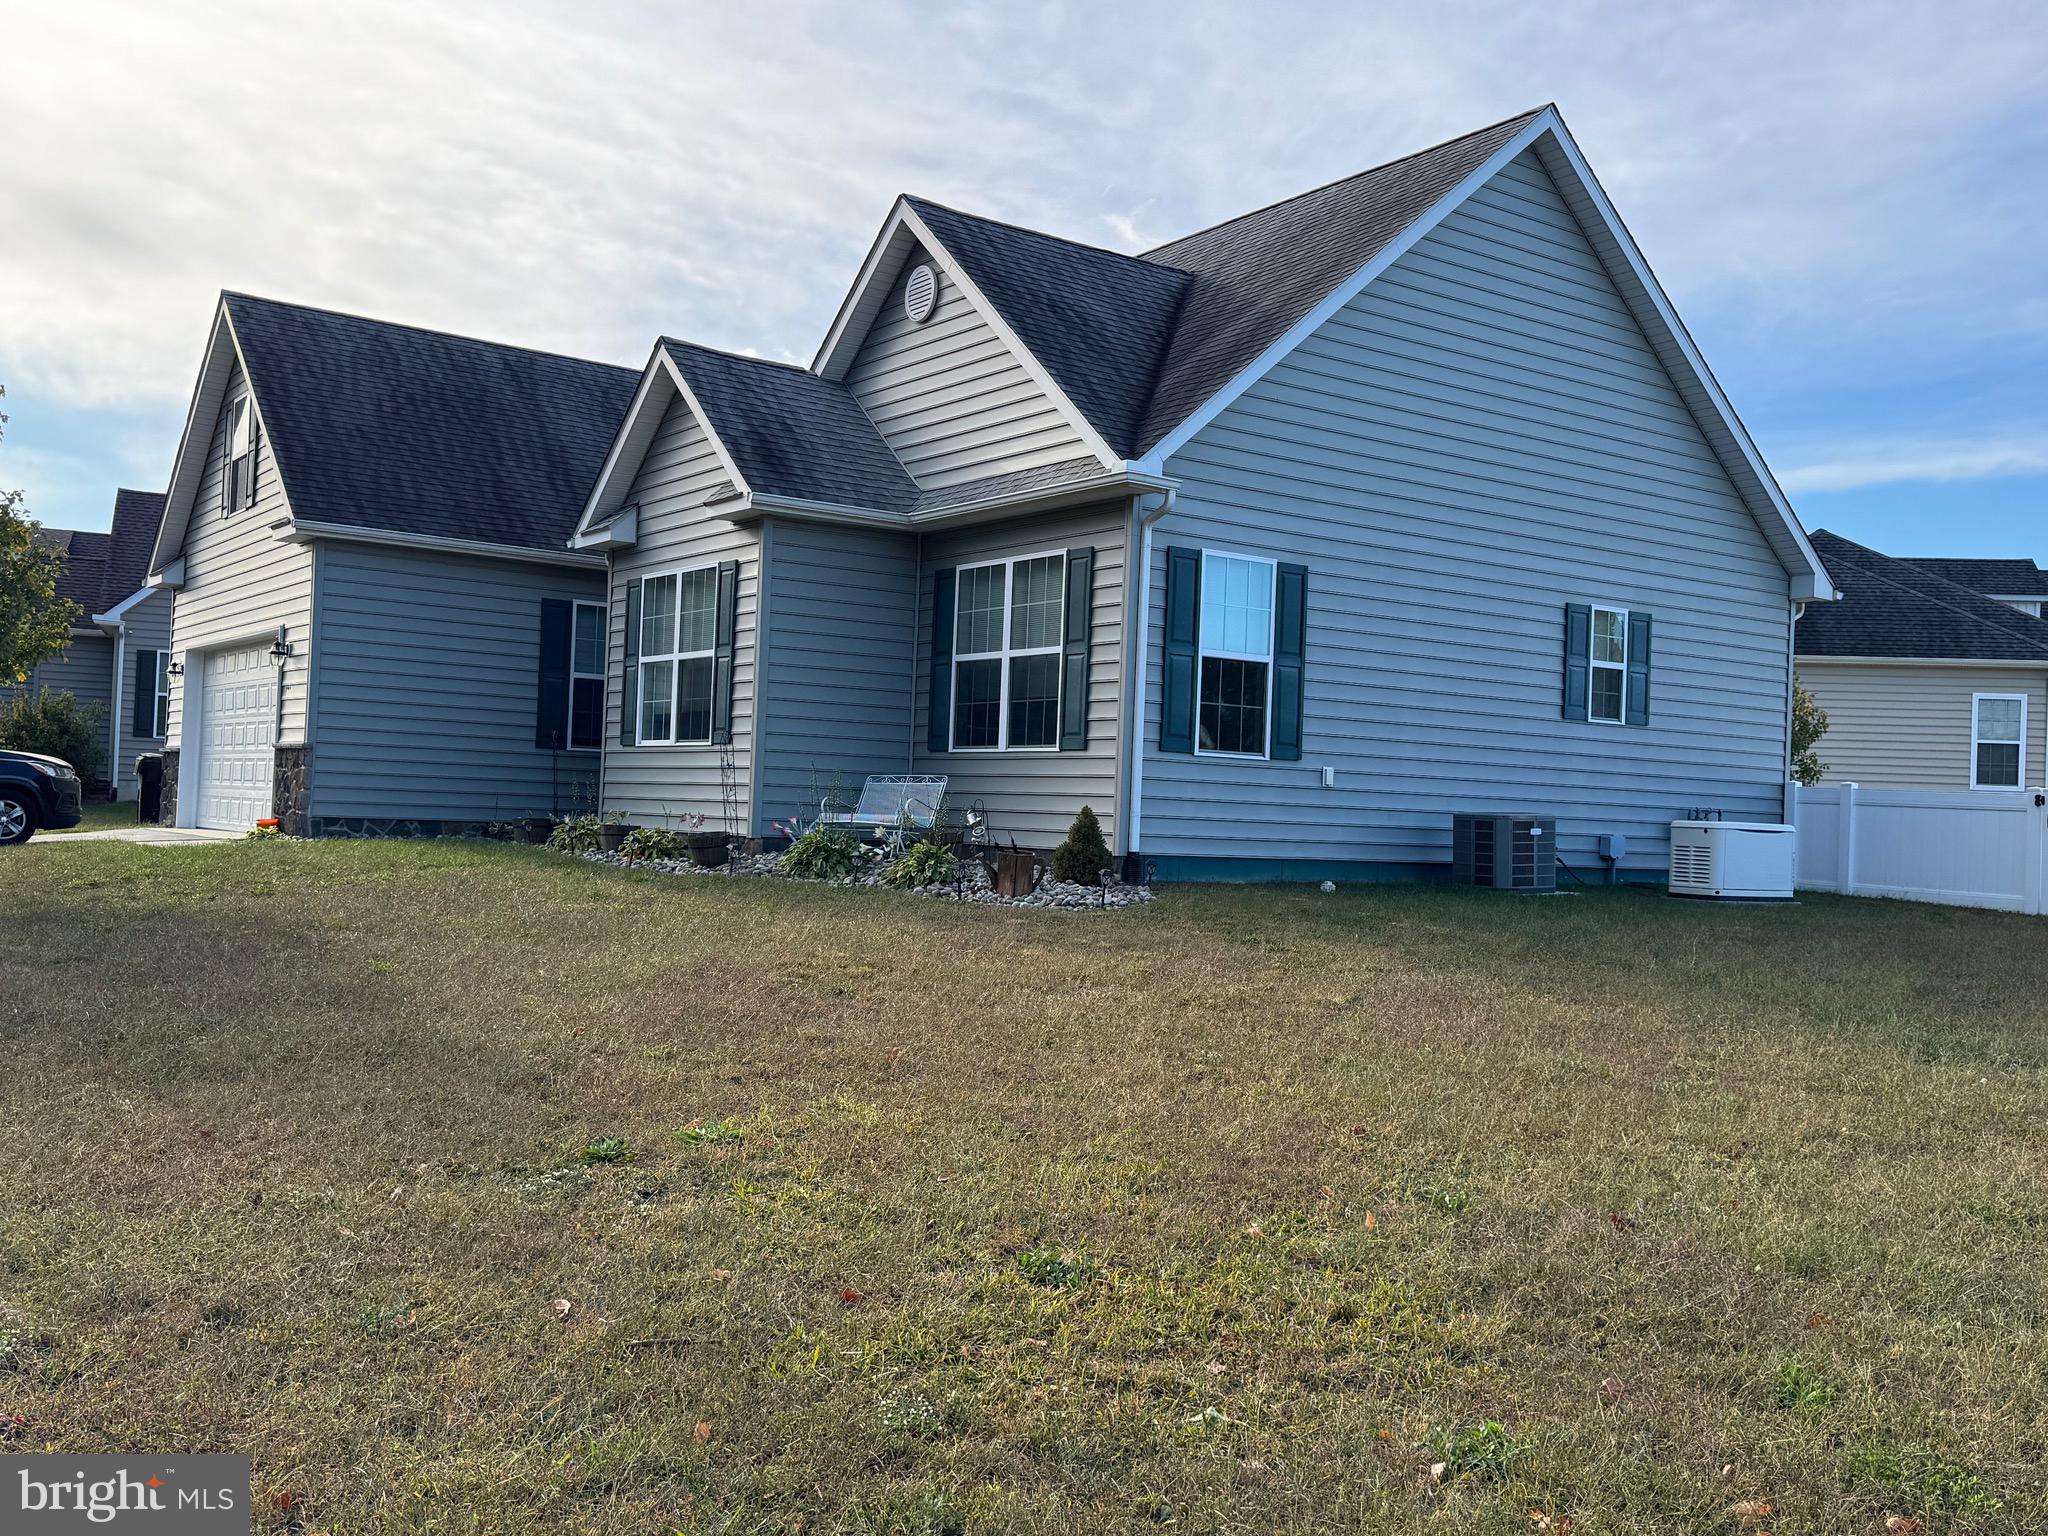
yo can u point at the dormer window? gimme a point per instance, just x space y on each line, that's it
238 475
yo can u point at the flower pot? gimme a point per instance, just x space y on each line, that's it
1016 872
710 850
612 836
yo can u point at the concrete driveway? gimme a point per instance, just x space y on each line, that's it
156 836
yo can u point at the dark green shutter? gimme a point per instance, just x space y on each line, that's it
1638 669
1578 646
551 706
1074 650
143 718
939 717
722 654
1183 628
249 475
629 683
227 461
1290 642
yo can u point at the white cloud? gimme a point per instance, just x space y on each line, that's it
1807 180
1856 466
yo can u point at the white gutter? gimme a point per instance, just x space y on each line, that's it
1135 683
298 531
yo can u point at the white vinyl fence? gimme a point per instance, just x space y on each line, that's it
1963 847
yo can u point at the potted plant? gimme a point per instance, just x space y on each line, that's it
612 833
708 850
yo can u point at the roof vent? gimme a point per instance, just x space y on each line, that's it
921 293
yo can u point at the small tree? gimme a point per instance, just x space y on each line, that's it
56 724
1084 856
34 621
1809 724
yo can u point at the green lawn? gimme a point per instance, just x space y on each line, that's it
100 816
470 1189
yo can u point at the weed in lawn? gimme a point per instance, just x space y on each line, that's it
1798 1387
709 1133
1054 1269
1926 1480
1484 1450
606 1149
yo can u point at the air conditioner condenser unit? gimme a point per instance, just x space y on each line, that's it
1732 860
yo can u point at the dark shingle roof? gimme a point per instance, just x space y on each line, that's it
1100 322
2007 578
137 516
792 433
1139 343
1895 608
85 565
1258 274
386 427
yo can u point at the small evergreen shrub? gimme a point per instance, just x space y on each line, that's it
823 853
54 722
930 862
1084 857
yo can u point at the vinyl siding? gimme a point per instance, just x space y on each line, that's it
428 686
241 582
85 670
1909 727
147 627
1481 437
950 398
838 659
663 784
1033 796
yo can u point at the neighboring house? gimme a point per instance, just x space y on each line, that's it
1276 545
118 656
1926 683
377 624
2019 584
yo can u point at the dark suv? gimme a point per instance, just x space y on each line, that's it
35 791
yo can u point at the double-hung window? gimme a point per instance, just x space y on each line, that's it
678 624
586 677
238 479
160 716
1233 700
1007 629
1998 736
1607 666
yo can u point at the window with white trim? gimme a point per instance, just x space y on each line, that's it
238 485
160 717
1233 701
1998 740
678 626
1008 618
1607 666
586 678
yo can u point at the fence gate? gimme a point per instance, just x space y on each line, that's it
1963 847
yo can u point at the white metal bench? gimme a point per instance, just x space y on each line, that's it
890 802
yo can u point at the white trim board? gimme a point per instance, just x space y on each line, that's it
636 435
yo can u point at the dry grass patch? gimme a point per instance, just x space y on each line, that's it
468 1188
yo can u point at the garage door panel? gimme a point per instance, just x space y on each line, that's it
238 713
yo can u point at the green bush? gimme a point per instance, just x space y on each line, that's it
823 853
930 862
1084 857
654 843
576 835
57 724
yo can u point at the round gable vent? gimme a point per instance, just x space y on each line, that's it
920 294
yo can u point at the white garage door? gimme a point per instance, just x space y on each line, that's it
238 719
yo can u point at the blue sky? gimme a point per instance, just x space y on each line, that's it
1846 203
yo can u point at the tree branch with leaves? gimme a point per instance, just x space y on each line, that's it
35 623
1809 724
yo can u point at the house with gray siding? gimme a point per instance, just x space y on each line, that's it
1929 680
118 656
377 625
1276 545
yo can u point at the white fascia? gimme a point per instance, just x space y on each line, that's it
616 477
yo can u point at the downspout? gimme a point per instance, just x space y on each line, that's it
1134 691
1790 801
120 656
